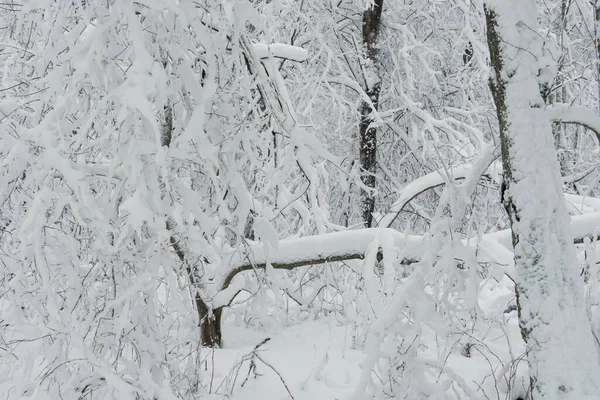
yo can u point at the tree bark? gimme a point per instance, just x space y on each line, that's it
368 133
209 320
210 323
596 5
561 351
559 95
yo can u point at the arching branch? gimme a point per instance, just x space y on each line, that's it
574 114
313 250
353 245
472 172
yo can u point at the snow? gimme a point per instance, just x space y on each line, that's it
107 238
319 365
546 270
582 204
281 50
316 360
575 114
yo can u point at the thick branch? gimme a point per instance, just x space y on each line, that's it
280 50
320 249
354 245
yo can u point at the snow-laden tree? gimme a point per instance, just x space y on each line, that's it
561 350
165 161
146 145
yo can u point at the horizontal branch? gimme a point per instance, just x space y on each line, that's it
495 247
318 249
585 226
280 50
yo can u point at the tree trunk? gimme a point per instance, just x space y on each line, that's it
368 133
210 323
597 42
561 351
209 320
559 95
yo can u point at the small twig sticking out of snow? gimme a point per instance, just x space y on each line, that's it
252 367
278 374
233 374
251 356
212 373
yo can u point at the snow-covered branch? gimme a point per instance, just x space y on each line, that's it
281 50
353 245
317 249
432 180
574 114
471 172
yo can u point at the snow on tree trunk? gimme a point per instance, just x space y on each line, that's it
597 43
210 323
561 350
209 320
368 133
560 94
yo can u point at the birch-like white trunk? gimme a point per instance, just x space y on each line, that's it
562 352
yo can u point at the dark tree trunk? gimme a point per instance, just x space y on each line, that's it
210 324
597 42
368 133
209 320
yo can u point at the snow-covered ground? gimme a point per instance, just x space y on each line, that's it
316 360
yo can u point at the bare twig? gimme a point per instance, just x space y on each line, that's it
278 374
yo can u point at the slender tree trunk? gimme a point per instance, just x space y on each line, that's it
368 134
209 320
596 5
561 351
559 95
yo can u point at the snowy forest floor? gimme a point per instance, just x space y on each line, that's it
316 358
313 358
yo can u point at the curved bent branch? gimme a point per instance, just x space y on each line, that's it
471 172
318 249
353 245
313 250
415 188
573 114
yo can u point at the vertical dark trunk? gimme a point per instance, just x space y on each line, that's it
368 133
559 95
597 41
210 324
209 320
498 89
